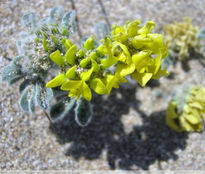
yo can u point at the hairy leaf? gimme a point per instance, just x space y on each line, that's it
32 100
101 30
43 96
201 34
68 21
23 85
83 112
61 109
23 100
11 73
29 21
56 14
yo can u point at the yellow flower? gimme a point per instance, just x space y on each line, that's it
132 50
77 88
69 57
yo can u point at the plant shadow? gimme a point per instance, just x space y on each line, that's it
193 55
152 141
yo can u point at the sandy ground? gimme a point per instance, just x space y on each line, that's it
128 130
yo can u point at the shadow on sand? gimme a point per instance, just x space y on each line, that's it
152 141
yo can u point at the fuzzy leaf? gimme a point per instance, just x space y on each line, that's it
43 96
101 30
29 21
17 60
23 85
68 21
201 34
83 112
170 60
56 14
61 109
23 100
11 73
32 100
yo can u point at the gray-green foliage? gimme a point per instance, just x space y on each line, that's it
61 109
33 63
170 60
101 30
201 34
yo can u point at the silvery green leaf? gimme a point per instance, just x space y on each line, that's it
20 46
130 83
201 34
68 21
44 21
83 112
23 100
29 21
17 60
61 109
22 38
11 73
101 30
56 14
15 79
57 92
32 100
170 60
27 100
23 85
43 96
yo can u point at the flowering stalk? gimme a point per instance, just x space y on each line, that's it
131 49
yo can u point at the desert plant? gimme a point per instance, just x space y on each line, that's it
186 112
46 49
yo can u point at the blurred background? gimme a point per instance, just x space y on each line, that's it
128 130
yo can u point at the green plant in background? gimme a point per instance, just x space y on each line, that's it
186 112
180 38
45 49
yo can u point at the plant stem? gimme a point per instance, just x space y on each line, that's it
104 13
49 119
76 19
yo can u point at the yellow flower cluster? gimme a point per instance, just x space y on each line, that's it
131 49
192 114
181 37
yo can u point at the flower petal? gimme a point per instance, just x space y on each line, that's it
57 58
98 86
71 72
142 78
71 85
71 55
57 81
